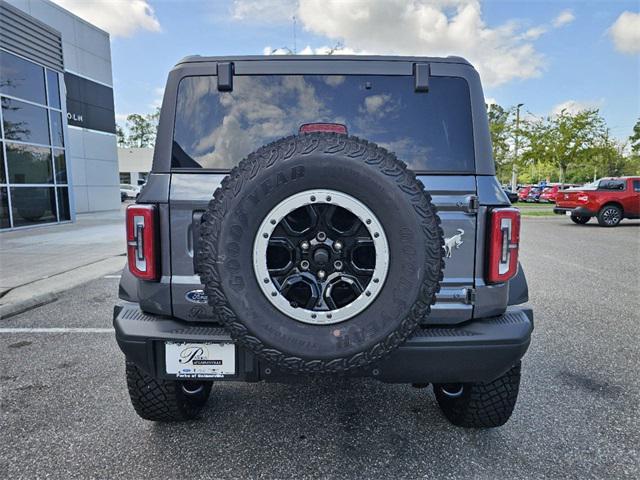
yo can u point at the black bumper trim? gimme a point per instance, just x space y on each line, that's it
478 350
578 211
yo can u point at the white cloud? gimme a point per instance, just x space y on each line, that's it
121 118
408 27
418 27
374 103
501 53
535 32
625 32
121 18
158 94
564 18
575 106
269 11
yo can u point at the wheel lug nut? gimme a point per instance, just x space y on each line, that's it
338 245
321 236
321 274
304 265
337 265
304 245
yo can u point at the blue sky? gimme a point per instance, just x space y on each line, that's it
545 54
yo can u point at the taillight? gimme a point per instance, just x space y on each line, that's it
504 238
142 241
323 127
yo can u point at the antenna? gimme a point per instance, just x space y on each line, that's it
295 46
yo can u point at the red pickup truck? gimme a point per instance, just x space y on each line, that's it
551 192
608 199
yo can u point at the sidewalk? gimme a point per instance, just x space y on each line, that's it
38 263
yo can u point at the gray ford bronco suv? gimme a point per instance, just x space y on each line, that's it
334 216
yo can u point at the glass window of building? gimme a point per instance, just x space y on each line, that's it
53 88
24 122
33 168
21 78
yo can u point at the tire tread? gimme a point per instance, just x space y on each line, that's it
371 156
483 405
160 400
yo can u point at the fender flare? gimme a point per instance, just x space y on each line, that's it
518 288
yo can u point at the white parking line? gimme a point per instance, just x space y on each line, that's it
56 330
112 276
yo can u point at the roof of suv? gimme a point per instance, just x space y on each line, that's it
388 58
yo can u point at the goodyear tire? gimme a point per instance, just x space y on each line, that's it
387 204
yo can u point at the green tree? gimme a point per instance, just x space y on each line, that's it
501 130
121 136
563 139
153 119
634 139
140 129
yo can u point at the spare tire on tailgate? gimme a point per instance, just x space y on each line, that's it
321 253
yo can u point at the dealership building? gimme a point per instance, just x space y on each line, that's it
135 164
58 143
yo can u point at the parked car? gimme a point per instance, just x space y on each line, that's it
523 192
550 193
608 199
321 253
534 195
130 191
512 196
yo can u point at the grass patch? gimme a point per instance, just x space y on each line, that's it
537 213
523 205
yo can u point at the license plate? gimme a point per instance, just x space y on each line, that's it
568 213
200 360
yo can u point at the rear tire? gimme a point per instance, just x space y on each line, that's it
609 216
480 405
165 400
579 219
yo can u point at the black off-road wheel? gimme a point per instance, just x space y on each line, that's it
163 400
321 253
480 405
579 219
609 216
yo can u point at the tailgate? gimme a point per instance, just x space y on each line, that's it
190 194
568 199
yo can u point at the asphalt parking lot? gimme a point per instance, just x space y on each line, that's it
65 412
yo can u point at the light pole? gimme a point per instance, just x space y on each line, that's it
514 169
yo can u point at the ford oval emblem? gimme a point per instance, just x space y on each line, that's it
196 296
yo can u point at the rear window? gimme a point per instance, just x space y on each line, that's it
430 131
611 185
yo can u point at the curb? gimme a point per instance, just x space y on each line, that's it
47 290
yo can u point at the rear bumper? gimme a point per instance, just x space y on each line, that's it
577 211
479 350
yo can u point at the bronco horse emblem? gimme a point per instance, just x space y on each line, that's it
453 242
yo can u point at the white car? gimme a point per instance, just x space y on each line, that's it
129 191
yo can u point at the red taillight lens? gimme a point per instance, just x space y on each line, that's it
504 238
142 241
323 127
